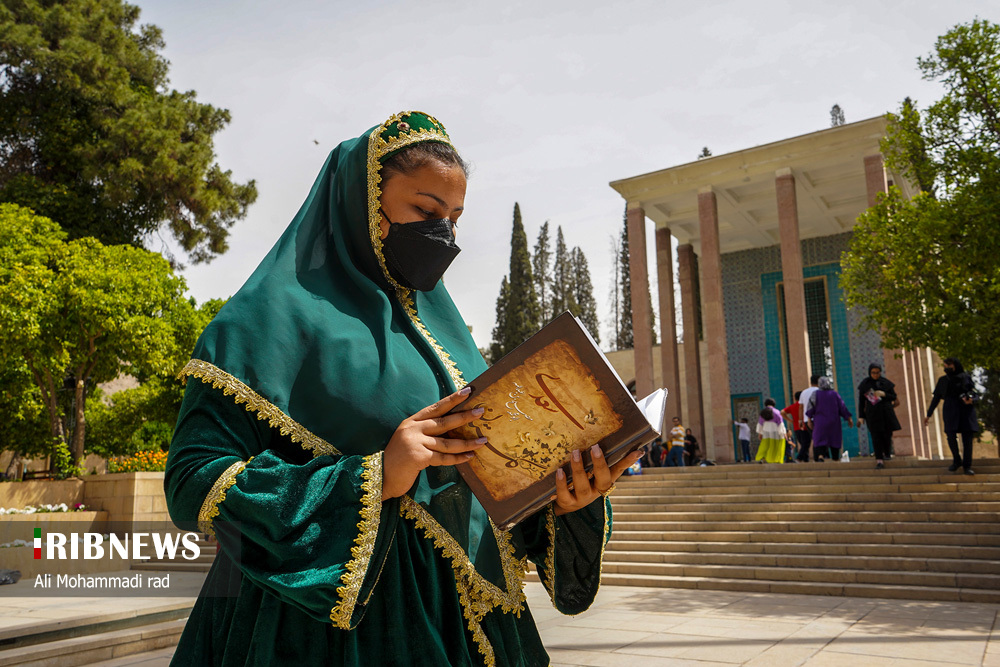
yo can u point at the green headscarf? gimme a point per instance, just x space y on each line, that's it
326 346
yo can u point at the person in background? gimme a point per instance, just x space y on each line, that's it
789 447
675 455
826 409
805 435
744 437
876 395
955 388
655 454
793 413
691 452
771 429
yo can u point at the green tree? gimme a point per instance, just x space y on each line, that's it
541 261
624 341
925 270
520 309
79 313
562 278
92 135
497 346
583 293
144 417
625 338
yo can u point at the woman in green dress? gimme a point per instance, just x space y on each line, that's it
312 442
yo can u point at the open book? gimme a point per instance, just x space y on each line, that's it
553 394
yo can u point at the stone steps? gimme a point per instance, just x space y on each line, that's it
991 554
913 530
96 638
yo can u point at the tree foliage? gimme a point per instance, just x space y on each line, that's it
92 135
925 269
79 313
583 293
521 314
541 263
563 298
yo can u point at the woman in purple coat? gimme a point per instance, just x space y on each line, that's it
826 408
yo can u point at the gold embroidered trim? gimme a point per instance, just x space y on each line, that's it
476 595
549 581
232 386
210 507
361 554
513 569
377 148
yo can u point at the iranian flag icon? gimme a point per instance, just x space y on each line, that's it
38 543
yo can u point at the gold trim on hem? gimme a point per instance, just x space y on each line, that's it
477 595
361 554
210 507
233 386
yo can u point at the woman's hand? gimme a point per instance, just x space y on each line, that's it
880 393
585 490
417 444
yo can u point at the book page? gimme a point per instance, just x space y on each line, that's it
535 416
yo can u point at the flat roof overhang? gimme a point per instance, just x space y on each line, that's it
830 188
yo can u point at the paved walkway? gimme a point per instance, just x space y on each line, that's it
657 627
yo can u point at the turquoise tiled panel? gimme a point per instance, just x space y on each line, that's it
749 280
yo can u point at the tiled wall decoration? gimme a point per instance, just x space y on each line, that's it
749 280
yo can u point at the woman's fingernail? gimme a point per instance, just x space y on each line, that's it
478 412
480 441
465 391
576 454
560 474
595 451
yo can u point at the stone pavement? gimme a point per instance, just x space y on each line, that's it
657 627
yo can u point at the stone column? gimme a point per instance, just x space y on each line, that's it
895 367
719 442
794 284
668 320
642 327
692 346
920 375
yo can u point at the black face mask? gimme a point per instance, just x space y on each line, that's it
418 253
949 370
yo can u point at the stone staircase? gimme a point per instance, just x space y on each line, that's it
103 635
913 530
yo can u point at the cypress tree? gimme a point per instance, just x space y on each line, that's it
517 305
625 338
583 293
624 341
496 346
562 278
540 262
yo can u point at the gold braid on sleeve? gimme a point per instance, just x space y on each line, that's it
210 507
361 553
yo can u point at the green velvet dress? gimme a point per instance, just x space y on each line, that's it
293 392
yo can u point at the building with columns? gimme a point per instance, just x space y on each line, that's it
759 237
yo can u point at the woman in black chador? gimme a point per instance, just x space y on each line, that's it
876 397
955 388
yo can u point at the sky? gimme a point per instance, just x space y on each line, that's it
549 101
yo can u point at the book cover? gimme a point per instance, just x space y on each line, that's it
555 393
